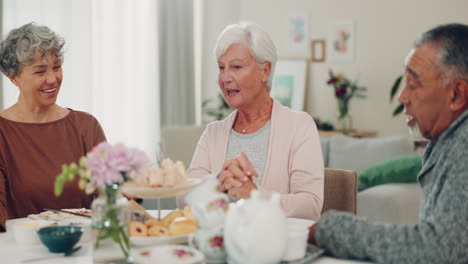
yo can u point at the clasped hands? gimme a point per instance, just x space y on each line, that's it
237 176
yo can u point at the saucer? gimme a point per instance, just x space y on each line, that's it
174 254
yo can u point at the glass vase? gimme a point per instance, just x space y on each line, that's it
344 123
110 226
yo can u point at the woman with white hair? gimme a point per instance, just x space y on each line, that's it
37 136
262 145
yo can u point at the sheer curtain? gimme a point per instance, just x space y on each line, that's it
177 62
111 63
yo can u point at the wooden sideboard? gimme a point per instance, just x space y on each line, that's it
352 133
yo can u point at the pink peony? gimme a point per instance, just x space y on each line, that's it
108 163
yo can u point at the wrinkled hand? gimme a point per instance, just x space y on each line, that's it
243 191
236 172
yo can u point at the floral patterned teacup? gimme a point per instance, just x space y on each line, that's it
211 243
208 205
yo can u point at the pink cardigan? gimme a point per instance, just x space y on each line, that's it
294 165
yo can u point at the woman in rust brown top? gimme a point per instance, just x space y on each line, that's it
36 135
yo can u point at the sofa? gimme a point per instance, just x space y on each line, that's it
391 202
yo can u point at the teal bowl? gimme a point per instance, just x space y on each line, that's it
60 239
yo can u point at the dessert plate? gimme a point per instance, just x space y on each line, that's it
153 241
57 216
174 254
132 188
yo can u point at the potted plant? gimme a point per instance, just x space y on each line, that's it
218 111
393 92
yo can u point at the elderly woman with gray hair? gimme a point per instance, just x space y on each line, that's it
36 135
261 145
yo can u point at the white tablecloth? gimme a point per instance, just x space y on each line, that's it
12 253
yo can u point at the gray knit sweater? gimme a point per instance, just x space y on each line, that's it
441 235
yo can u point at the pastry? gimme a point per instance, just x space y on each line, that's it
153 222
182 226
169 174
134 206
158 230
171 216
137 229
176 223
188 214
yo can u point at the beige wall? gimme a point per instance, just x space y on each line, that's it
216 15
384 33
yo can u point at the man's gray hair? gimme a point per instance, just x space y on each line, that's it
452 40
23 44
255 38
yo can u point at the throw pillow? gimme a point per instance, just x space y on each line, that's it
401 169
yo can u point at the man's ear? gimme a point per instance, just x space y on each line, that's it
459 96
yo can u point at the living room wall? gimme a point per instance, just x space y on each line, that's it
384 30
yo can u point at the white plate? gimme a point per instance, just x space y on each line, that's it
60 216
131 188
166 254
153 241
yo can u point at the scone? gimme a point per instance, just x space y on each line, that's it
171 216
182 226
158 230
137 229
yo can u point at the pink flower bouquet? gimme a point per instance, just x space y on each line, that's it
104 165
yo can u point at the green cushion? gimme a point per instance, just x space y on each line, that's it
401 169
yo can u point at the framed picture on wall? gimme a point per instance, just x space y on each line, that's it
298 34
341 41
318 50
289 83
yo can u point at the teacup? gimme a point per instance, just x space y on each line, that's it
296 242
211 243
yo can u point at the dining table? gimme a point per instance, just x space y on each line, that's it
12 253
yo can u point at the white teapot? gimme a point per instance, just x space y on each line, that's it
208 205
255 230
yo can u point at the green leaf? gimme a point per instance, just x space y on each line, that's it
220 110
206 102
212 113
58 186
398 110
68 174
395 87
